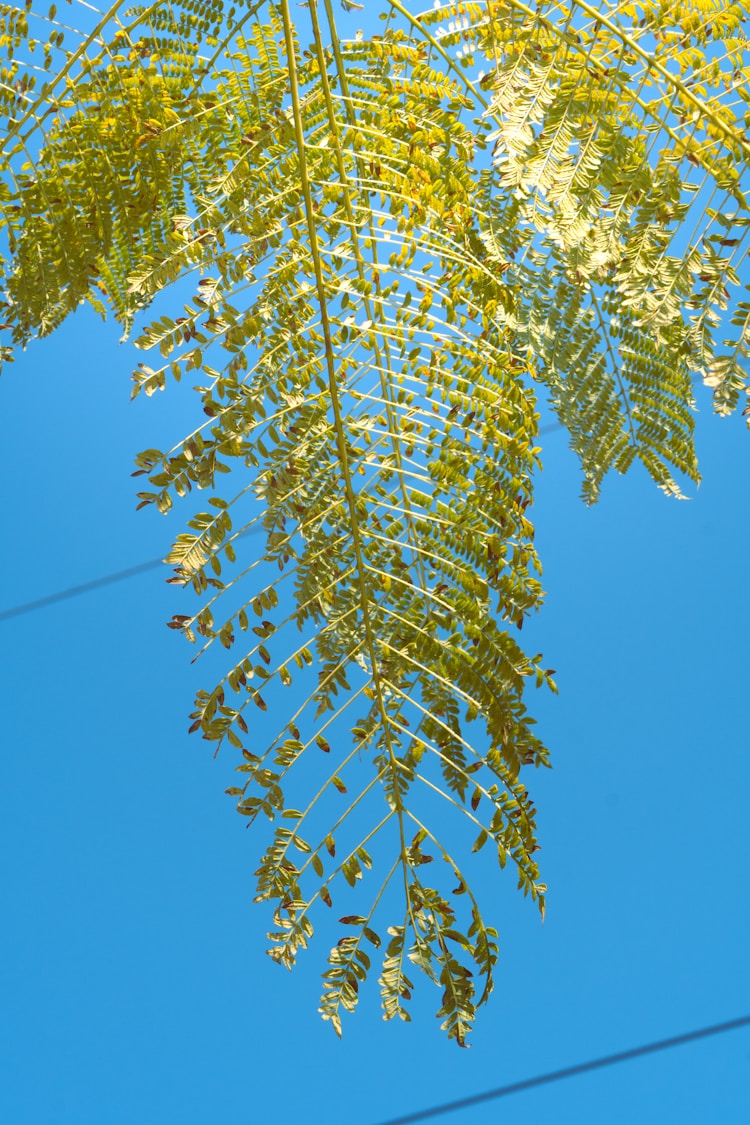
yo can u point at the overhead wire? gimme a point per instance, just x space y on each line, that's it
570 1071
81 588
120 575
94 584
473 1099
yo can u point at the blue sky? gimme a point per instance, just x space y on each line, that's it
134 981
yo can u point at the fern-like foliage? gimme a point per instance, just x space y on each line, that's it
621 158
389 249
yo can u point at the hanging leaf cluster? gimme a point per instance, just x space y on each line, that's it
384 246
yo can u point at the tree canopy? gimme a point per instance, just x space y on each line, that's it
395 242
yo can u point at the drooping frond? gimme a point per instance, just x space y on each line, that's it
618 206
382 413
386 250
97 158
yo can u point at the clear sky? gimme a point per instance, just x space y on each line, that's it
135 987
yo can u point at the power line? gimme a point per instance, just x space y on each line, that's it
121 575
473 1099
570 1071
76 591
96 583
